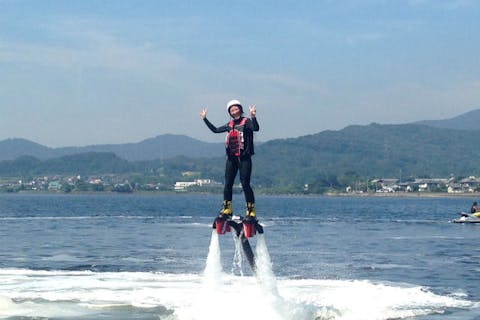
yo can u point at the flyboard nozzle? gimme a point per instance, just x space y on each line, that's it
249 228
222 226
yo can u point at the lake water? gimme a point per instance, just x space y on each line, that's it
145 257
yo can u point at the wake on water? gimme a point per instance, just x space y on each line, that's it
215 294
227 296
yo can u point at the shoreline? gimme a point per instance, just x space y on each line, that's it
406 195
327 194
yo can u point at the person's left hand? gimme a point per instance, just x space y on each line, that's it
253 111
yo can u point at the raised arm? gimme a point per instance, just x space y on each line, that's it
203 115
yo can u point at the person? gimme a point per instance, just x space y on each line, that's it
239 151
474 207
475 211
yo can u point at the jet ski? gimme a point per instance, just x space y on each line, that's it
467 218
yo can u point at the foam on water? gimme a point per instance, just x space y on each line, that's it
62 294
215 295
366 300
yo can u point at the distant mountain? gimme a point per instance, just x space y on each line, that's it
13 148
170 146
425 149
465 121
322 160
160 147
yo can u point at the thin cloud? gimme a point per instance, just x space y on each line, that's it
109 55
360 38
449 4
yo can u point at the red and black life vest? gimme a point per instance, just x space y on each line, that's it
234 140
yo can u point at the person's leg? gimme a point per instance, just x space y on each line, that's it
245 176
231 168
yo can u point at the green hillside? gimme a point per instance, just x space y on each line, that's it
84 163
370 151
329 159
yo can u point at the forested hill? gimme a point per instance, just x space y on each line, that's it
84 164
370 151
360 152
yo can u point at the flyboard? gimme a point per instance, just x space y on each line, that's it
467 218
244 229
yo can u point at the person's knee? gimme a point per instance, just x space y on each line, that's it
246 187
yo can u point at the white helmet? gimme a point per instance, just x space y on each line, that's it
232 103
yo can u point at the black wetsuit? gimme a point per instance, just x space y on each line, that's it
242 163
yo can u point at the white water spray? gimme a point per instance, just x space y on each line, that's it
264 266
237 263
222 293
213 268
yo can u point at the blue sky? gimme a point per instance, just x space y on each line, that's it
96 72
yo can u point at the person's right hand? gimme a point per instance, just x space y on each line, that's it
203 113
